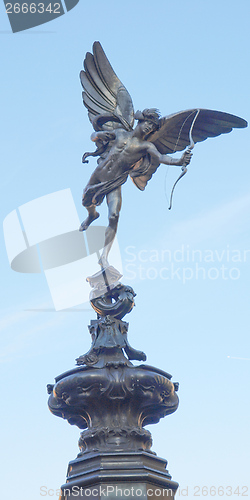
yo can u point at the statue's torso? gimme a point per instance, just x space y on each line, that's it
124 153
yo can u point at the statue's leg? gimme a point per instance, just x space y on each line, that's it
114 202
93 215
88 204
87 201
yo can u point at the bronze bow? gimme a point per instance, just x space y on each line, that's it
184 167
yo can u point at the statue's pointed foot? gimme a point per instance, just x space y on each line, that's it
86 223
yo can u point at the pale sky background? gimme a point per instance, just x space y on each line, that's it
173 56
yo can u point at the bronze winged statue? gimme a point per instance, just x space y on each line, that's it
136 152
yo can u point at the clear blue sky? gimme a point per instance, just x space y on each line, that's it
173 56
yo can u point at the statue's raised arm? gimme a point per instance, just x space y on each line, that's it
138 152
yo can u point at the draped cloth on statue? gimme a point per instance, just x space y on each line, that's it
94 194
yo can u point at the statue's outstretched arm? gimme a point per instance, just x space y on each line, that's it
183 161
168 160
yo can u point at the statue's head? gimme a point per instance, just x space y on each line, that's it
151 115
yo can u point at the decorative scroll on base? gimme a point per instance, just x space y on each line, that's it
116 301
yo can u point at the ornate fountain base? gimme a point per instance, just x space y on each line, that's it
111 401
113 404
118 476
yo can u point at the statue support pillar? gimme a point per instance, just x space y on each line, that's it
111 401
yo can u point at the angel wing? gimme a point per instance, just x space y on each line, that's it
108 102
174 135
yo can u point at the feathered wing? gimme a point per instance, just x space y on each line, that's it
174 135
108 102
